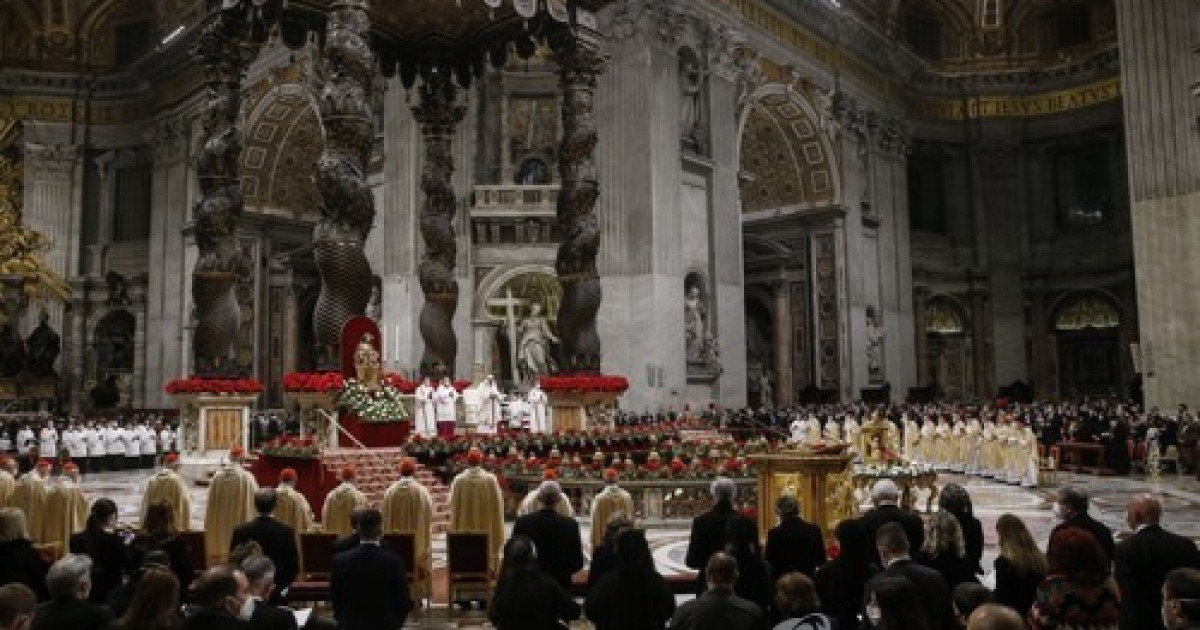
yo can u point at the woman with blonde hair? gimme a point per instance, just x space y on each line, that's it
1020 567
20 563
945 551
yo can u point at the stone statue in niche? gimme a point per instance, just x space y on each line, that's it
42 348
691 98
118 289
875 335
700 344
534 357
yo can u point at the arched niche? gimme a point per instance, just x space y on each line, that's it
1087 332
504 300
283 141
787 161
948 348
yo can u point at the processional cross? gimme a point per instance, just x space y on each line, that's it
510 304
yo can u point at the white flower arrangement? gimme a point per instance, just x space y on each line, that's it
385 404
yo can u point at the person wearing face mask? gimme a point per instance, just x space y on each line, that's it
1181 600
69 582
220 599
16 606
1071 509
1144 559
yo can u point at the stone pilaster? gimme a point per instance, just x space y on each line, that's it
1158 68
52 207
785 388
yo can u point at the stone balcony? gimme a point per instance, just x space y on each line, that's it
512 214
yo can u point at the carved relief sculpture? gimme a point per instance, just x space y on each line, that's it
347 205
579 65
438 116
227 46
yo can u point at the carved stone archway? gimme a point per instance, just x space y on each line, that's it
284 139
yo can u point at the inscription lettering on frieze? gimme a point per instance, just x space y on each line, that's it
1019 107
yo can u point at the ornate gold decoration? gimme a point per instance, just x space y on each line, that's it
942 319
1087 312
20 248
782 150
1023 106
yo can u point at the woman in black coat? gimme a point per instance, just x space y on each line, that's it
20 563
634 596
754 580
843 580
955 500
526 598
158 534
110 557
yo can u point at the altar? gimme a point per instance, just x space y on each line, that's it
823 482
213 423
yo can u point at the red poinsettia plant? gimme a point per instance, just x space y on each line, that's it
584 383
314 382
201 385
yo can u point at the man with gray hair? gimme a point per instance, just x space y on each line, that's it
70 582
710 531
885 495
260 576
794 544
1071 508
555 537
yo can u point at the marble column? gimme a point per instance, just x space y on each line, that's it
439 116
166 310
785 385
1159 66
921 338
981 342
52 207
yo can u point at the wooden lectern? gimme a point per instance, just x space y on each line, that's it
823 483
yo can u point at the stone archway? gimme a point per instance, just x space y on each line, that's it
284 139
1087 330
786 158
503 304
948 362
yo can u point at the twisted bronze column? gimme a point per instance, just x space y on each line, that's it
227 46
347 205
438 116
579 65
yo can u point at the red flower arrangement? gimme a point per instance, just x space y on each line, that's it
318 382
200 385
584 383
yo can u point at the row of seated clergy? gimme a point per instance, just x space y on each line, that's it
54 507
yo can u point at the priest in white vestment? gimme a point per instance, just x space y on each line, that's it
30 497
8 479
340 503
477 504
230 503
66 507
291 507
538 405
444 399
426 419
48 443
487 418
612 501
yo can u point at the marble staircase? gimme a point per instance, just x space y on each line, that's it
378 468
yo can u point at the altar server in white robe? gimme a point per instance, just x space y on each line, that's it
95 446
539 410
133 449
166 439
27 443
444 398
114 445
426 425
518 411
76 446
149 443
487 417
48 443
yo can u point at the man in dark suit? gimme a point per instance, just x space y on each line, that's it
1143 561
718 608
710 531
218 597
555 537
69 581
891 542
346 543
368 585
885 495
1072 509
278 541
260 575
793 544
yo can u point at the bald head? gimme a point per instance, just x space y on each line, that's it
1144 510
995 617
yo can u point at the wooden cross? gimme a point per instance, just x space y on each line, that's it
510 304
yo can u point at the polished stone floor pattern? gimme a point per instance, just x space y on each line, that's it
1180 496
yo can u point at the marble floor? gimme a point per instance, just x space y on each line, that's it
1180 496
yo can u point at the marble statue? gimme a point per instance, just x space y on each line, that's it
766 392
695 326
691 87
366 363
533 355
42 348
874 345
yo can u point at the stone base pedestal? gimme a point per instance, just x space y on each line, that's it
211 424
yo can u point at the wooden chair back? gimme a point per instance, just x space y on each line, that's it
316 549
197 552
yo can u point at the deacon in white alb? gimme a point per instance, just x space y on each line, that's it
539 410
488 415
444 398
425 420
48 442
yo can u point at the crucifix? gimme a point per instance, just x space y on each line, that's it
510 304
